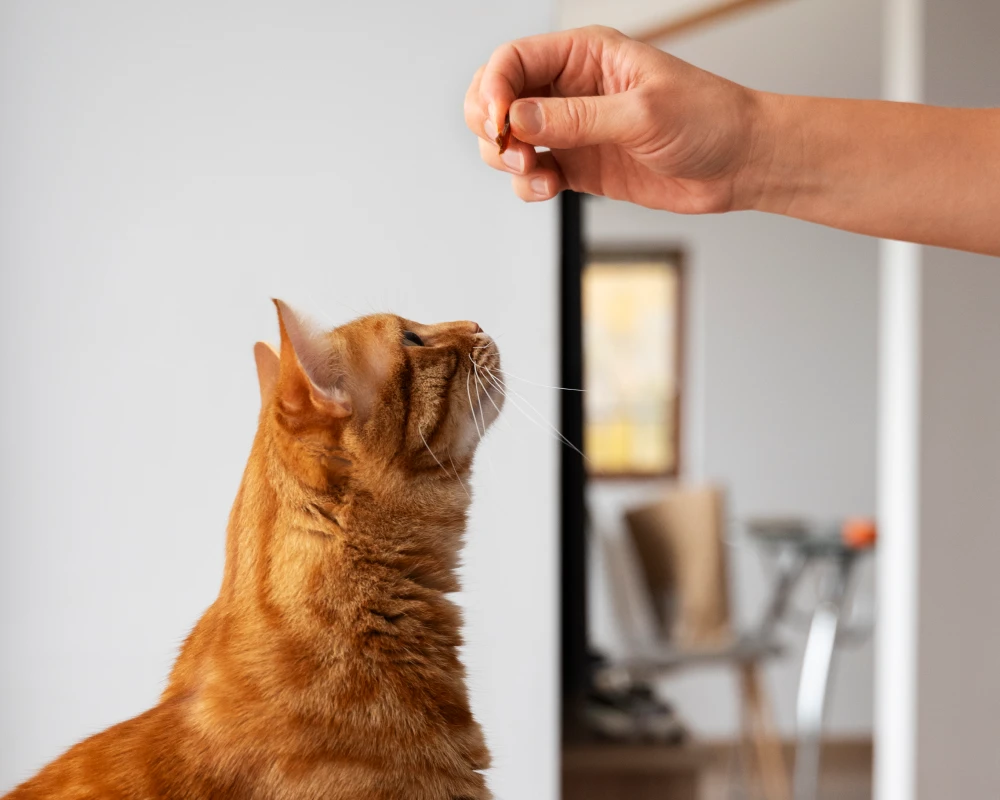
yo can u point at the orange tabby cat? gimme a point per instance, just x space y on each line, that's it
328 666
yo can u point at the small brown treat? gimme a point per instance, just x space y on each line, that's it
503 138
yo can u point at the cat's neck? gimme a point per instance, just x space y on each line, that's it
354 571
385 528
333 617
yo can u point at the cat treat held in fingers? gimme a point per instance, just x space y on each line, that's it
503 138
328 666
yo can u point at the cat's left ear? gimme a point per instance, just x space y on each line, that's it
311 373
268 368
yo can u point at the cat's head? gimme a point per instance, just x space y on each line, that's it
381 393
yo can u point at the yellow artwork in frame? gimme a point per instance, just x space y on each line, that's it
632 347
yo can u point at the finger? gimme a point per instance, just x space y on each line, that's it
566 122
475 111
538 61
542 183
518 158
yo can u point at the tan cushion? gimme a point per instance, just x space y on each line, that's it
681 545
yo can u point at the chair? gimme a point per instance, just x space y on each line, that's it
681 546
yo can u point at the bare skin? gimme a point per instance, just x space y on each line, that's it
627 121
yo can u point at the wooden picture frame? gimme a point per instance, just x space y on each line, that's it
633 316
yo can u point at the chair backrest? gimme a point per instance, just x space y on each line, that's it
680 541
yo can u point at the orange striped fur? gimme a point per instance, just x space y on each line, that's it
328 667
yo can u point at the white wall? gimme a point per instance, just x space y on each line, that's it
166 169
780 394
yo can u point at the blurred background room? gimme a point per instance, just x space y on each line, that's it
767 375
772 571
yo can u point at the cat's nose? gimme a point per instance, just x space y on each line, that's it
471 327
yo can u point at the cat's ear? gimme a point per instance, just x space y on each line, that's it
268 366
310 373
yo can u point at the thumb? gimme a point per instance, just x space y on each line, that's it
565 122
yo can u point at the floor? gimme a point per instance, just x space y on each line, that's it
846 775
700 771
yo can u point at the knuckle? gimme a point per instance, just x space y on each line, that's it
604 32
503 53
579 114
643 115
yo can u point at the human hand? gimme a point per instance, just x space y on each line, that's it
621 118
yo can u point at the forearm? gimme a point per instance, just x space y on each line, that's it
899 171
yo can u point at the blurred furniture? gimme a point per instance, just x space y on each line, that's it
681 544
682 552
796 544
622 710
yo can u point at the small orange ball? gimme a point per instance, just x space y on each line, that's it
859 534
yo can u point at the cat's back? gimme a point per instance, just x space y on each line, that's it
140 758
157 756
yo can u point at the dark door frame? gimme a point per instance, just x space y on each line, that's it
572 480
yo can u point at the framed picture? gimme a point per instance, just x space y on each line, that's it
632 304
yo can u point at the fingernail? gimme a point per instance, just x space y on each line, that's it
526 117
491 129
491 112
513 159
540 186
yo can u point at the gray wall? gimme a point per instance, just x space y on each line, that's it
958 651
780 390
167 168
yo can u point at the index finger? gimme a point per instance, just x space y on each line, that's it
538 61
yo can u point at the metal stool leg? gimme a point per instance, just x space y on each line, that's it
814 683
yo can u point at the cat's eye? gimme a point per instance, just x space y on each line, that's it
410 339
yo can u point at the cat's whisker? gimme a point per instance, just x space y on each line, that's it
507 392
459 477
500 419
472 408
479 395
488 395
420 432
507 374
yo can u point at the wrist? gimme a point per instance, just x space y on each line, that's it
771 175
